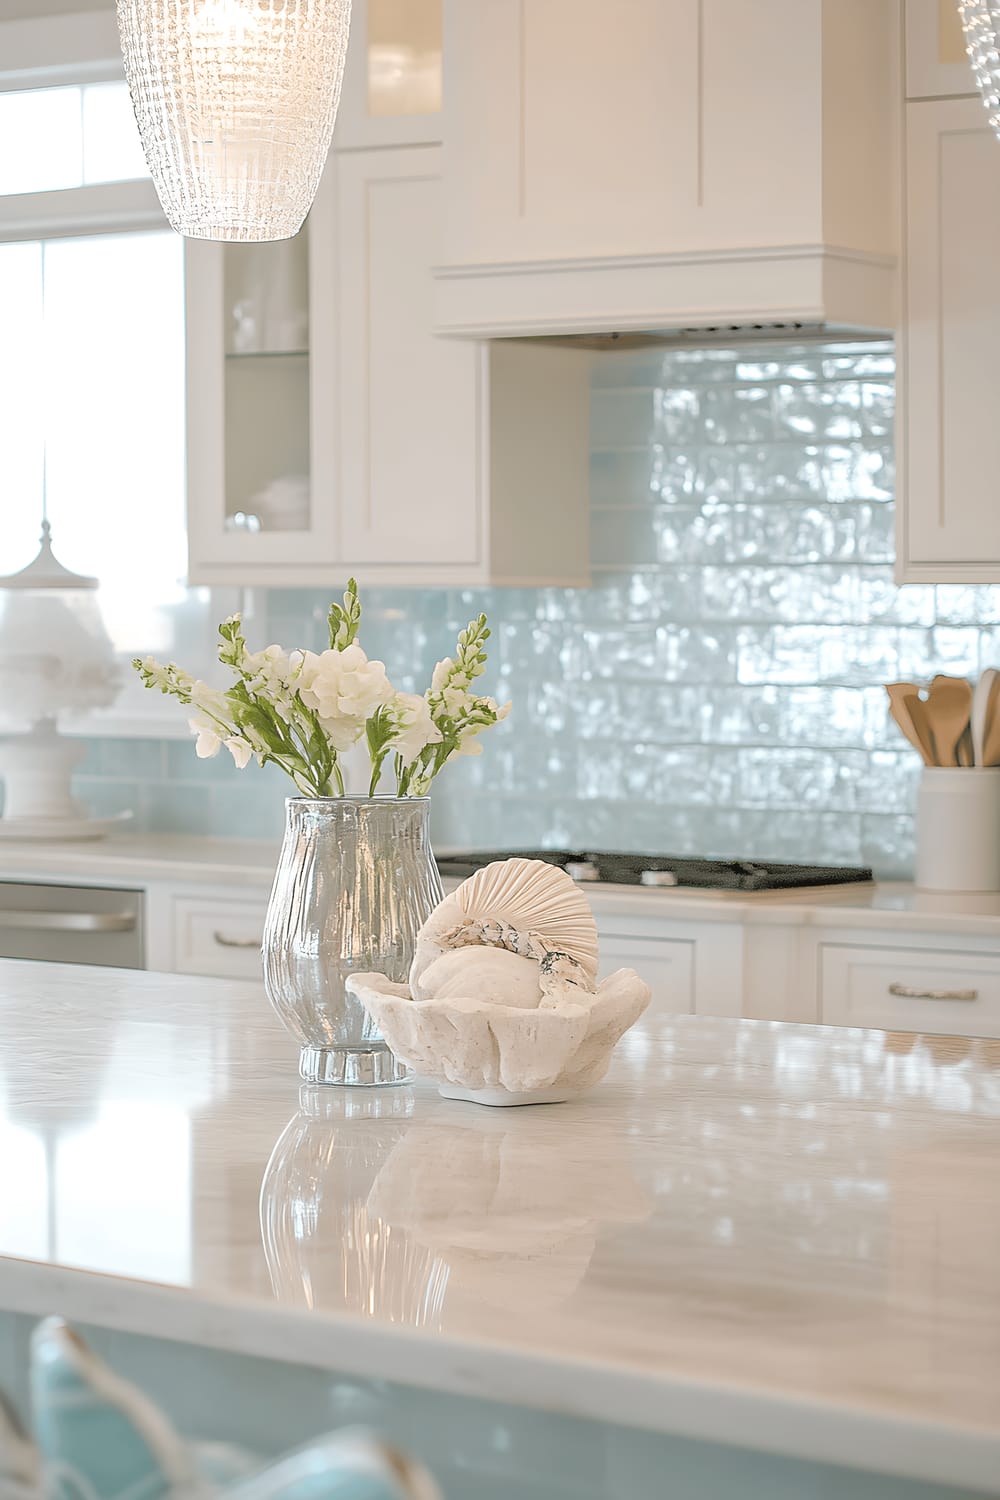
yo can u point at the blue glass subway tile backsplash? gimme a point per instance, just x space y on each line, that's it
718 690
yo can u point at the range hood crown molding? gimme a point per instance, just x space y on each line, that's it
799 286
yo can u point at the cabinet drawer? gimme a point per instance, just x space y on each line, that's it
937 990
218 937
667 966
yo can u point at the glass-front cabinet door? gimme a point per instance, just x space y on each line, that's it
263 404
392 80
262 408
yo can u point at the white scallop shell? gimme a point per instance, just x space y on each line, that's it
526 894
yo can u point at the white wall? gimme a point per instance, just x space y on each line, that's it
16 10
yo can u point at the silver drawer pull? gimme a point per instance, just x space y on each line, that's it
224 942
908 993
69 921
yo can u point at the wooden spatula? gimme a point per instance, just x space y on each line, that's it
917 710
948 709
898 694
980 713
991 737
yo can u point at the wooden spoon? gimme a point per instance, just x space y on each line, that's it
948 707
917 710
980 713
898 694
991 738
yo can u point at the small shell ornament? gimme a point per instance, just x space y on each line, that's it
503 1005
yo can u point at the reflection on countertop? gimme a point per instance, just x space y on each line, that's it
747 1219
414 1221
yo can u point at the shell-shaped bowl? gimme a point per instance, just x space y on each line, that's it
503 1054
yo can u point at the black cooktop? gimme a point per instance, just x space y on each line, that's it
605 867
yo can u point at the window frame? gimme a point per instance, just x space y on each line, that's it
60 52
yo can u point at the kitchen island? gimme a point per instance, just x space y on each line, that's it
761 1258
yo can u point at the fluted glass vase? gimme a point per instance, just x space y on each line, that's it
356 879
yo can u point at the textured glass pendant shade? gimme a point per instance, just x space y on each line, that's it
235 101
981 24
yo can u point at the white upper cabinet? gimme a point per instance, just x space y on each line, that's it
331 432
936 61
460 462
948 436
662 163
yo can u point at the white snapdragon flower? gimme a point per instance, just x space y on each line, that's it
271 675
442 674
413 726
209 741
213 723
344 688
210 701
268 672
454 701
485 713
154 673
240 749
467 745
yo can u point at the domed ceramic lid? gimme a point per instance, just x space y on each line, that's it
46 571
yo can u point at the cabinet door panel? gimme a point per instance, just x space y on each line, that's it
666 965
411 402
949 513
218 936
584 132
937 991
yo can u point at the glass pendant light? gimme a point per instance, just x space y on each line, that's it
981 24
236 102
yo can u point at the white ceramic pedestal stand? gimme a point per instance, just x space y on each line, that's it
38 801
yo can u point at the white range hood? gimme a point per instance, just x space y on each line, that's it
660 164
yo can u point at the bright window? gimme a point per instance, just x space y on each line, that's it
68 138
92 390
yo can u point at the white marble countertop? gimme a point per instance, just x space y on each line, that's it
140 859
775 1236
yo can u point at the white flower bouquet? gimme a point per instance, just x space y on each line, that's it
302 711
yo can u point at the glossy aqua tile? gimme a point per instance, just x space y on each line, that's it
743 610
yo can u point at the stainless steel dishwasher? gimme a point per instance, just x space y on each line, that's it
71 924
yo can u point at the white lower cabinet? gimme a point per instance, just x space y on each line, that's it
691 967
902 988
217 936
667 967
940 983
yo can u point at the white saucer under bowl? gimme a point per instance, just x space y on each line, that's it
61 830
504 1096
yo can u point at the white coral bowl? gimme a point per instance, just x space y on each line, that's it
501 1054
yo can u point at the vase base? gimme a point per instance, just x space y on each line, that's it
367 1068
